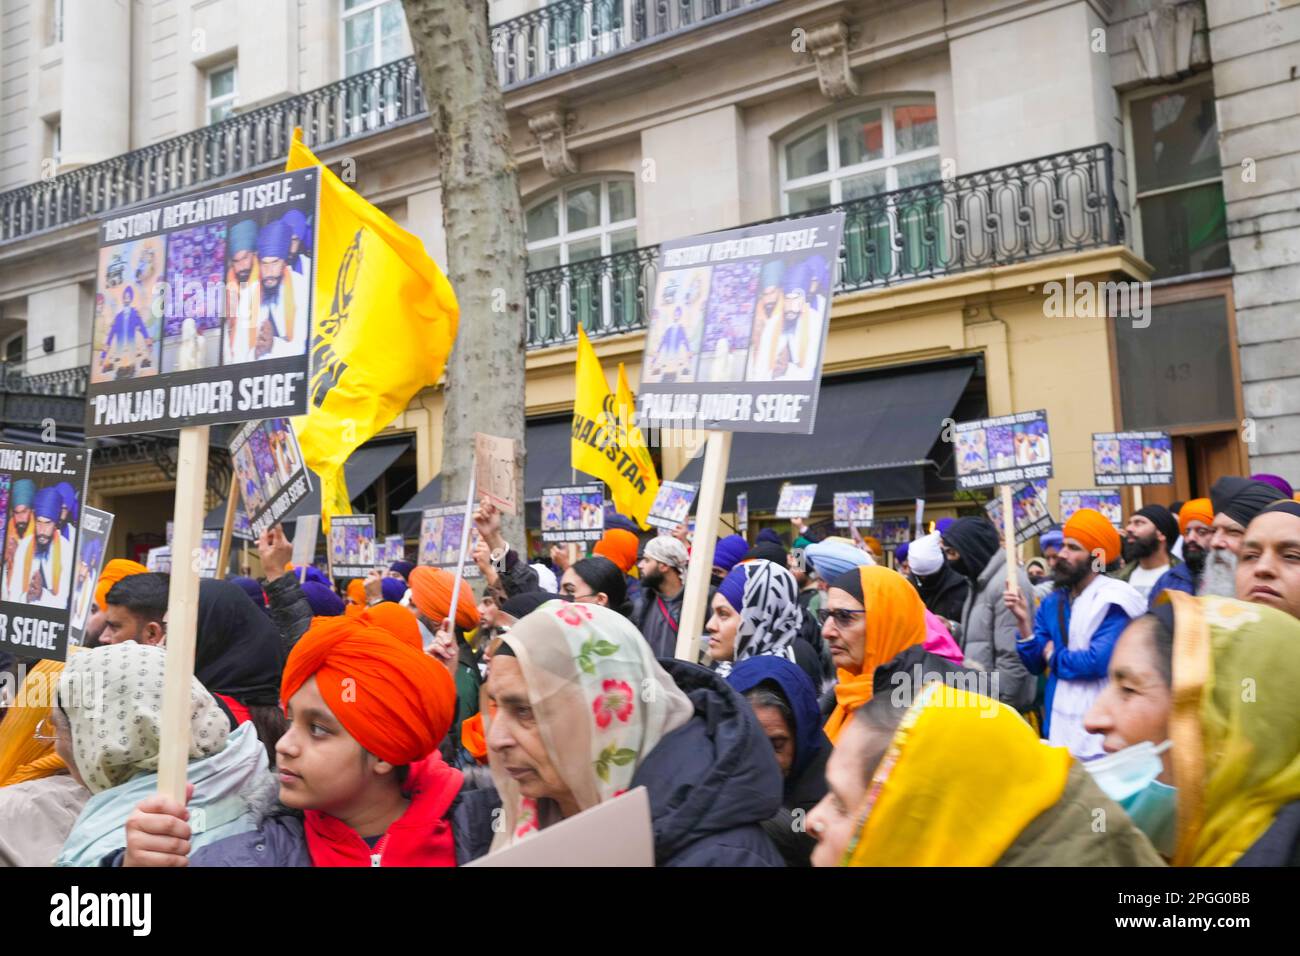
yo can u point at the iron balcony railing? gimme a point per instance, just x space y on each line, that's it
1047 206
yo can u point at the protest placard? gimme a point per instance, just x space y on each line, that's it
891 532
394 549
1109 503
159 559
1132 458
441 527
42 491
209 551
856 509
672 504
737 328
203 307
616 832
92 545
242 528
795 501
494 469
1029 510
573 513
1005 450
269 471
352 545
742 514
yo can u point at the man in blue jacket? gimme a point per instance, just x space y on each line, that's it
1076 627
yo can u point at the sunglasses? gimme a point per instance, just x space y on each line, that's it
842 616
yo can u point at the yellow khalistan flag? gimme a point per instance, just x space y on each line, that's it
604 441
385 322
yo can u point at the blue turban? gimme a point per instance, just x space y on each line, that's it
297 224
1051 539
243 236
314 573
729 551
393 589
273 241
796 278
943 524
23 493
901 552
615 520
47 503
733 588
91 552
68 495
772 272
252 589
815 267
767 534
831 558
404 568
324 602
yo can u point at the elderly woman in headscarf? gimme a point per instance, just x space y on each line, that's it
108 727
954 778
1202 732
785 703
580 711
755 612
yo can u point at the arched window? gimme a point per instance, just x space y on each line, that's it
566 231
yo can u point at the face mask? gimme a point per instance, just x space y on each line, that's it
1129 778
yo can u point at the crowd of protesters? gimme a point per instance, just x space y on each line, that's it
966 708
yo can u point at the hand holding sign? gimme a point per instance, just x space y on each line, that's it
494 464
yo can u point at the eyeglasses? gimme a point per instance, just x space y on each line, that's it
580 598
842 616
45 731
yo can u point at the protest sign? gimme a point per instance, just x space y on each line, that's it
796 501
209 551
242 529
394 549
441 528
615 832
1029 510
269 470
891 532
1132 458
742 514
672 504
159 559
574 513
203 308
1109 503
854 509
494 469
352 545
1004 451
737 328
92 544
42 491
306 532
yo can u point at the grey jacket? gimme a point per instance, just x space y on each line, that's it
989 632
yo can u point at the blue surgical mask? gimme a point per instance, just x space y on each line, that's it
1129 778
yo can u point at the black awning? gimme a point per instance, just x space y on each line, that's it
874 433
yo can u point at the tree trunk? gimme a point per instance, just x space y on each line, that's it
483 220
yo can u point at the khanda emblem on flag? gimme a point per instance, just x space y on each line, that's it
326 366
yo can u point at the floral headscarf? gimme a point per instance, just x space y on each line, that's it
770 615
113 700
601 700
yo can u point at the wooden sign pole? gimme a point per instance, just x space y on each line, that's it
1009 540
1137 497
227 529
182 611
454 605
713 481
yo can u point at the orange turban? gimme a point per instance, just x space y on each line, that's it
114 571
396 620
1198 509
395 701
431 592
620 546
356 591
1091 529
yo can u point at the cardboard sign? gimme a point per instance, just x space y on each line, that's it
1132 458
306 532
203 308
1028 507
1109 503
42 491
441 527
159 559
738 326
242 529
572 514
796 501
209 554
891 532
617 832
352 545
672 505
854 509
494 465
742 514
1003 451
269 471
394 549
92 546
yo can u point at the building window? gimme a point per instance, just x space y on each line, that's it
15 349
374 33
56 143
572 226
1178 211
53 22
223 93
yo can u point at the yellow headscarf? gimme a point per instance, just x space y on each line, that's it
962 778
895 621
22 756
1235 725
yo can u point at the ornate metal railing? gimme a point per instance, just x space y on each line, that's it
36 401
605 296
569 33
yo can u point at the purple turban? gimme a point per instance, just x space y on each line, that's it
392 589
252 589
1278 482
323 601
273 241
404 568
47 503
728 551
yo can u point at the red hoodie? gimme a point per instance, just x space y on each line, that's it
419 837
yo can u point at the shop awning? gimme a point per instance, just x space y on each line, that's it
874 433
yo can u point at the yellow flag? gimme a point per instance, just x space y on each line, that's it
385 322
629 435
594 445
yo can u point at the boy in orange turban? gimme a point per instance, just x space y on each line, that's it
367 711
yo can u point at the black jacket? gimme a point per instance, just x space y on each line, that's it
944 592
290 612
